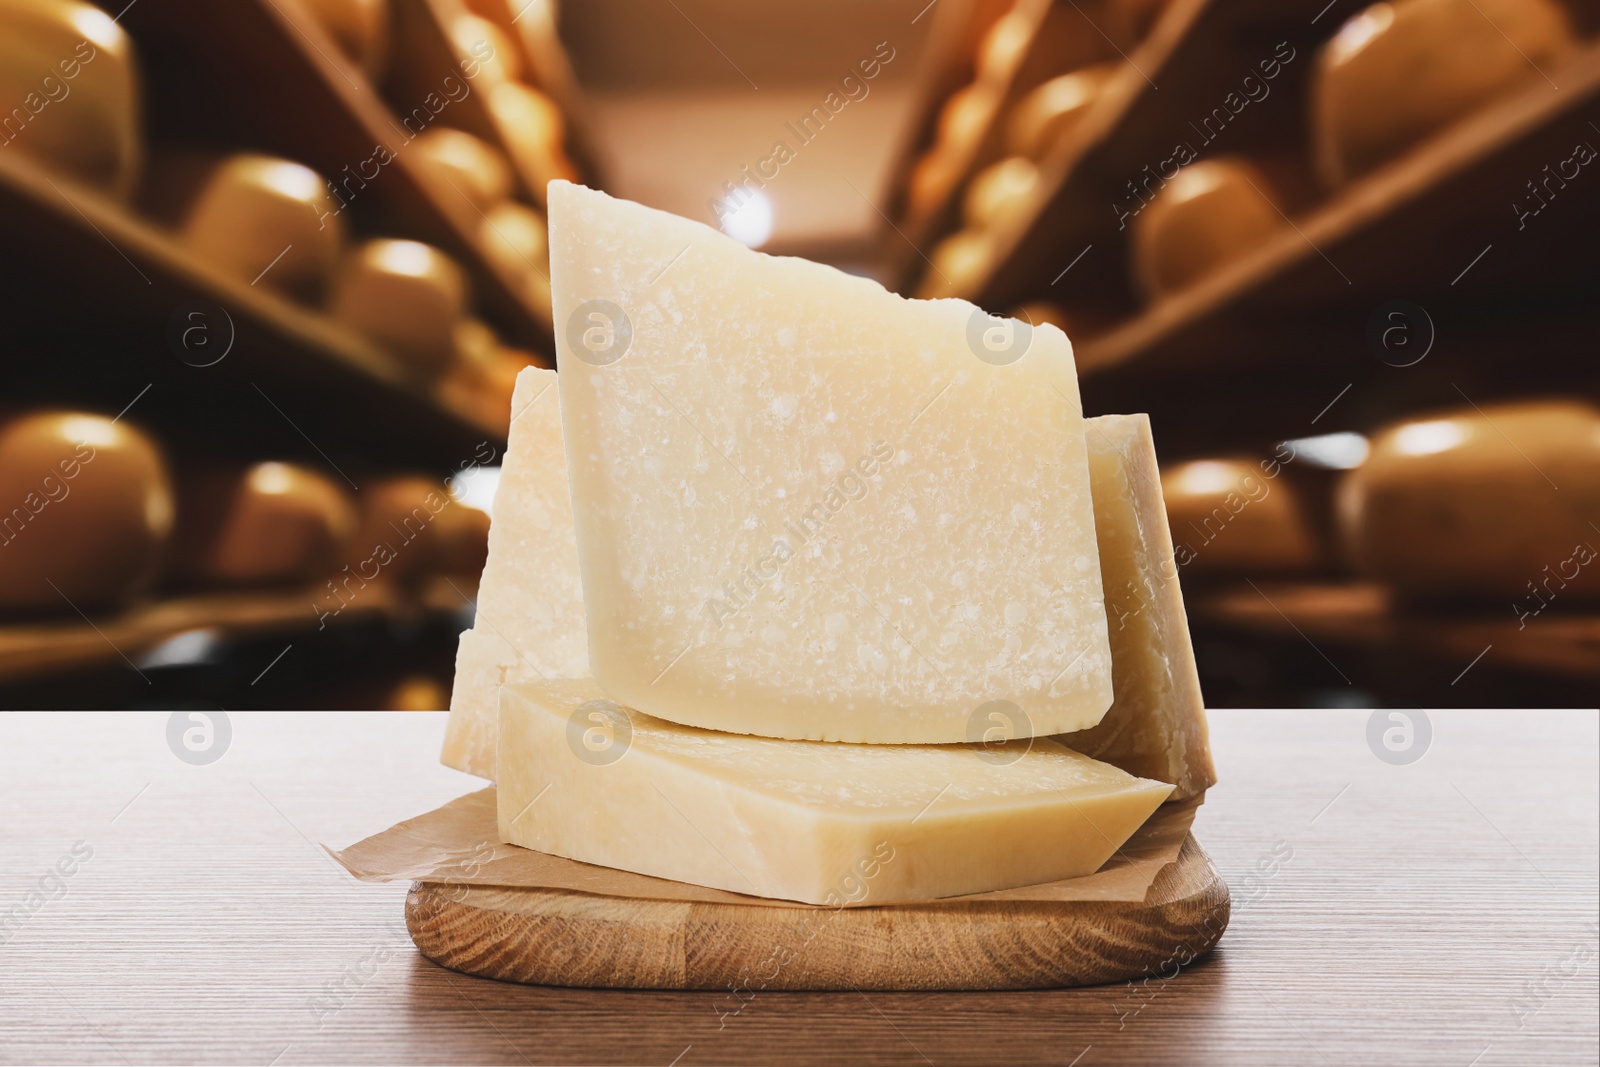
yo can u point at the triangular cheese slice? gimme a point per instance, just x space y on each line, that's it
1156 727
585 778
529 623
809 508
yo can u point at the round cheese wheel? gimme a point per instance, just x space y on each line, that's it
1000 191
1003 46
957 264
515 239
532 127
69 83
359 27
1398 71
964 118
88 508
267 222
478 40
1495 502
472 175
270 523
1227 515
405 296
1051 111
932 178
395 537
1211 212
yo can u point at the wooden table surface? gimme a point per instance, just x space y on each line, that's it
1442 912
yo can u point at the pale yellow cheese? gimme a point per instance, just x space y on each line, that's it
586 778
805 506
1156 727
530 621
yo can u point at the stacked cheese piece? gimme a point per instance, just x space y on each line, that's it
828 576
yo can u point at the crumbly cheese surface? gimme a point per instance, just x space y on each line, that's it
809 508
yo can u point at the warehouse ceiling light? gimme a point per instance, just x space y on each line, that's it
1331 451
1426 438
751 222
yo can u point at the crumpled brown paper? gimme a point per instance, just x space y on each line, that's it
459 844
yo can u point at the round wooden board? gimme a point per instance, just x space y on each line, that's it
562 938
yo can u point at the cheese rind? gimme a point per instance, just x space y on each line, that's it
585 778
1156 727
809 508
530 619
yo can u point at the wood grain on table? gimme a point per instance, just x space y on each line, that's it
1442 912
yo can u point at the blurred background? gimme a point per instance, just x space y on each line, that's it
271 267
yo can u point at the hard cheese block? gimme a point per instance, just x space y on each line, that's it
585 778
809 508
1157 723
530 621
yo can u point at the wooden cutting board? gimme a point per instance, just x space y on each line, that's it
564 938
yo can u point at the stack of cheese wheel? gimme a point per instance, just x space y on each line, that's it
1208 214
1499 501
265 524
528 121
1237 516
88 512
56 51
1399 71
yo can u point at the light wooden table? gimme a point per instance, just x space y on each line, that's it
1442 912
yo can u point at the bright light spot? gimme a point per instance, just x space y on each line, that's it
190 648
1207 476
271 479
96 26
1426 438
292 180
1354 35
90 430
751 222
1334 451
475 488
404 257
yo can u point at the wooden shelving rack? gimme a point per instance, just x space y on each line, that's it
96 289
1276 345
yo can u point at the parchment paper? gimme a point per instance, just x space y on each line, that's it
459 844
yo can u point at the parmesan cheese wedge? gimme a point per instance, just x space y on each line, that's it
809 508
530 622
583 777
1157 723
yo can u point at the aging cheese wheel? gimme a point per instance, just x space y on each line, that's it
267 222
957 264
1398 71
534 131
1003 45
404 295
472 175
1052 110
515 239
270 523
1227 515
88 507
461 540
932 178
964 118
69 91
1000 192
1501 502
359 27
1211 212
396 538
482 42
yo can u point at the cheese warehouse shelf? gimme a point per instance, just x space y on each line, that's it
101 290
426 55
1362 616
33 650
262 75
